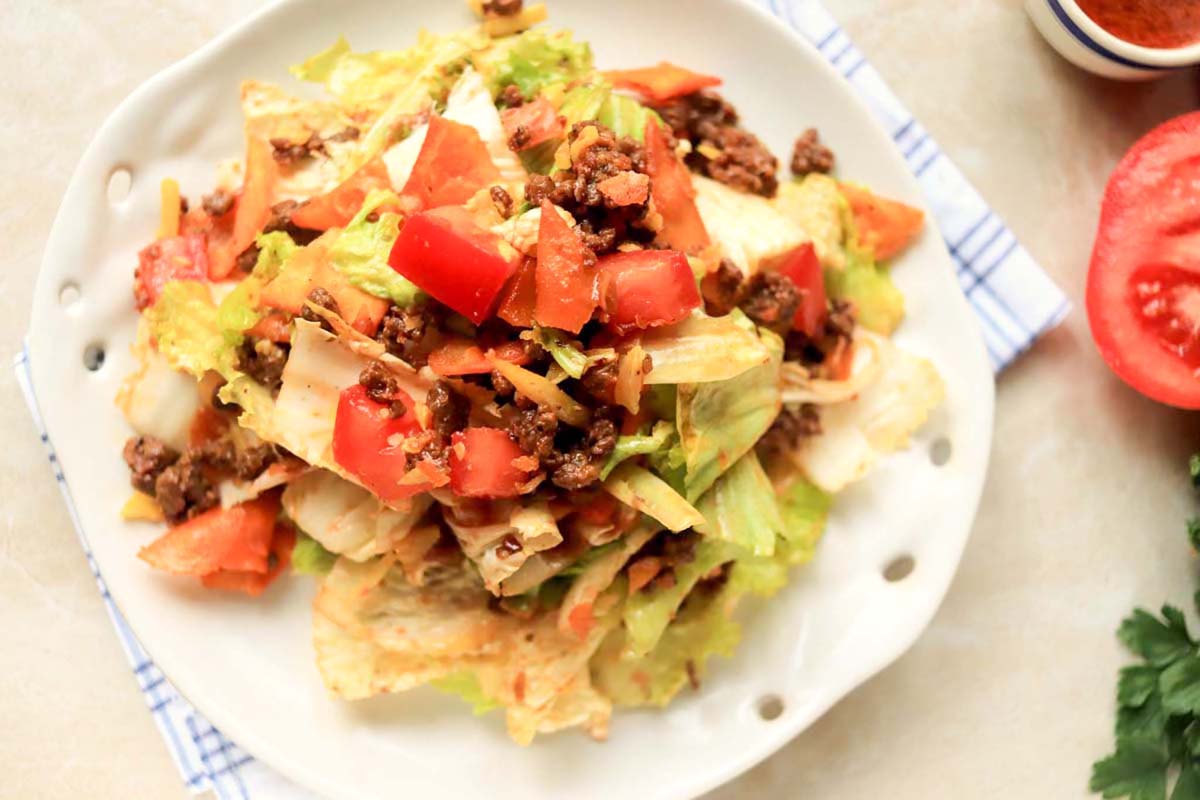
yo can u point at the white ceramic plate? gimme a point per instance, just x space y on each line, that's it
248 665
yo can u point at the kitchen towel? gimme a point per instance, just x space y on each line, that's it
1013 299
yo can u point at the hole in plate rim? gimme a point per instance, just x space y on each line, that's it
94 356
899 568
770 707
69 294
119 186
941 450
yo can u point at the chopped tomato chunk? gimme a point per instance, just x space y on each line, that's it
367 443
663 81
673 194
336 208
175 258
236 539
459 357
252 211
804 269
518 298
485 462
461 264
453 165
531 124
567 289
886 226
648 288
255 583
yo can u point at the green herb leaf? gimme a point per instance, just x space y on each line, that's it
1193 529
1138 770
1135 685
1147 720
1194 469
1188 785
1180 686
1160 644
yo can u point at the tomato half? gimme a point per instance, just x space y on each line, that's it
485 462
648 288
1143 287
567 291
367 443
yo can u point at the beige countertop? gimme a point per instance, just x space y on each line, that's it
1008 694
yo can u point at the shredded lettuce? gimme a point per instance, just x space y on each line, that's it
703 349
741 508
720 422
183 323
625 115
877 301
570 358
310 558
644 491
361 252
536 59
240 309
584 102
639 444
465 685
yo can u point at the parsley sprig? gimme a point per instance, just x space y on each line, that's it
1158 704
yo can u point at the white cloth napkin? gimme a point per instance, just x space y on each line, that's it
1014 300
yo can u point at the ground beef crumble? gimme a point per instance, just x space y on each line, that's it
320 297
449 409
788 429
147 457
600 381
382 387
263 360
217 204
771 300
809 155
405 332
572 458
511 96
722 289
289 153
836 333
502 200
502 8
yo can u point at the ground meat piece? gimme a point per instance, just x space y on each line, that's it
435 451
602 438
519 138
809 155
450 410
147 457
185 489
382 387
247 259
502 8
744 162
263 360
722 289
788 429
217 204
281 220
580 467
502 385
510 545
502 200
320 297
600 380
836 333
771 300
533 430
698 115
348 134
288 152
248 464
511 96
404 330
841 319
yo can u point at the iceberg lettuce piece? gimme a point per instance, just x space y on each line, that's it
817 205
361 251
703 349
183 324
626 116
878 303
639 444
741 508
310 558
720 422
465 685
644 491
749 229
534 60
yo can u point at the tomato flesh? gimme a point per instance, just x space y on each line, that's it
252 210
531 124
886 226
803 268
367 443
336 208
519 296
648 288
673 194
1143 289
661 82
236 539
566 288
462 265
174 258
453 165
485 462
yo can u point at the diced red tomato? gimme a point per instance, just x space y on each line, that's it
175 258
309 269
673 193
518 298
599 510
662 81
452 166
1143 285
283 540
464 357
237 539
252 211
367 443
336 208
485 462
461 264
567 290
648 288
804 269
531 124
886 226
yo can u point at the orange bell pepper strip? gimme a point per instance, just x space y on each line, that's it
336 208
661 82
673 194
886 226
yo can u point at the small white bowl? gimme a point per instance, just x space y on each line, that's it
1084 43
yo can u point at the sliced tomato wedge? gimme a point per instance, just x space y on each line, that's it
804 269
236 539
367 443
567 290
461 264
1143 286
661 82
485 462
252 211
176 258
673 194
452 166
283 540
518 298
648 288
531 124
336 208
886 226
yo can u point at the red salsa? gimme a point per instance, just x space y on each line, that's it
1149 23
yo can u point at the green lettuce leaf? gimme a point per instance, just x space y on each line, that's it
240 309
648 613
534 60
741 508
640 444
879 304
309 557
361 253
625 115
183 322
584 102
644 491
720 422
803 508
570 358
465 684
702 629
